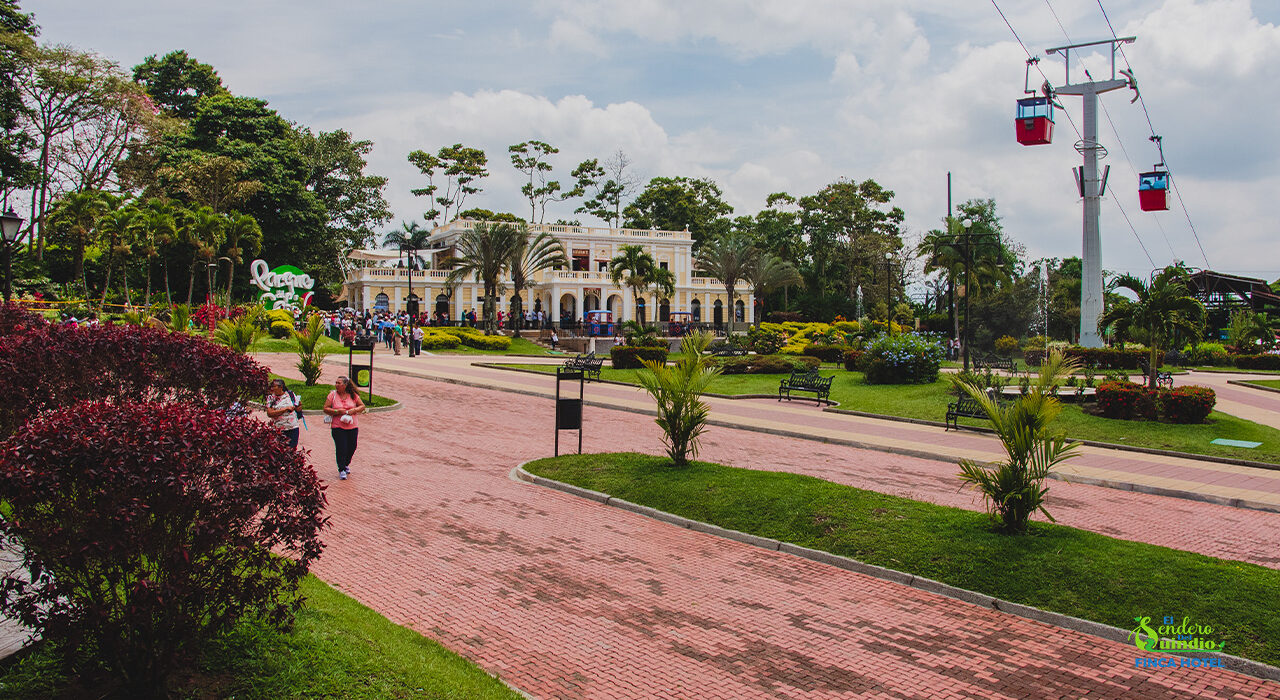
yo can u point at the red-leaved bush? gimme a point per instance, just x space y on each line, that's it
1126 400
1186 404
46 366
147 528
15 319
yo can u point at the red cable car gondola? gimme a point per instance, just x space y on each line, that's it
1153 190
1034 122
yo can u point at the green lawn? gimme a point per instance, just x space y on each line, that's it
338 649
268 344
929 402
1269 383
1057 568
313 397
519 346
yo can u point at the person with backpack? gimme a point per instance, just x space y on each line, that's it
342 406
284 409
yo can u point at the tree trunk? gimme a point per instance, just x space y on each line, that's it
168 293
146 300
517 310
191 282
107 285
231 271
124 275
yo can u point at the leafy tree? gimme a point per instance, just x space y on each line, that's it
75 224
215 182
17 33
462 168
119 230
530 158
608 186
1163 309
176 82
729 258
678 391
634 268
159 232
529 257
478 214
410 235
336 175
1246 330
485 253
678 203
205 231
768 272
242 235
849 225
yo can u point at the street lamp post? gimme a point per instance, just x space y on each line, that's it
411 254
968 260
10 225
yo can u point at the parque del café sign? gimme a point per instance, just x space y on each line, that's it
280 286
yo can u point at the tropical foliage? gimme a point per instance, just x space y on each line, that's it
677 389
1162 312
484 252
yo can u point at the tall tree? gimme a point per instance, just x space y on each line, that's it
176 82
530 158
728 258
120 229
529 257
605 187
484 252
410 235
243 235
462 168
206 230
159 232
75 224
767 273
849 226
1162 309
635 268
215 182
677 203
17 34
353 199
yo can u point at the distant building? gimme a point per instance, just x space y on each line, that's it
380 282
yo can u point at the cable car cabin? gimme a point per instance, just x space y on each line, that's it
599 323
1035 121
1153 190
680 324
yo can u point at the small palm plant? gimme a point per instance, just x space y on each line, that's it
240 333
678 392
1013 489
180 318
310 352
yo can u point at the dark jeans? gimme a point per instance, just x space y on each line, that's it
344 445
292 436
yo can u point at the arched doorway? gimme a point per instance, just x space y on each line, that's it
615 305
568 309
442 305
590 302
695 308
739 311
717 312
382 302
640 310
664 310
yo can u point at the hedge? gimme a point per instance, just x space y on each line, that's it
1126 400
826 352
1258 361
474 338
1109 358
1129 401
432 340
629 356
766 364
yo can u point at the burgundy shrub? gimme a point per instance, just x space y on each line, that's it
49 366
15 319
150 527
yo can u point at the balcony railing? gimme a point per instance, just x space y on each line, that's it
561 230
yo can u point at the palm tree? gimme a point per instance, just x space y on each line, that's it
767 273
243 235
76 221
727 258
529 257
634 268
941 252
1246 329
484 252
159 230
1163 308
120 228
205 231
410 235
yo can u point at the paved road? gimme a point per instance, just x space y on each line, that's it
569 599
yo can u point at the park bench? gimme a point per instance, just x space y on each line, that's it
1163 379
729 352
964 407
588 364
809 382
994 363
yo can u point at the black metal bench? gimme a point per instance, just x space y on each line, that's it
994 363
588 364
964 407
809 382
1164 379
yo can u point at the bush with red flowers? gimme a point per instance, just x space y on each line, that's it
1126 400
853 360
46 367
826 352
148 528
1186 404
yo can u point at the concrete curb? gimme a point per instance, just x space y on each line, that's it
1250 385
1232 663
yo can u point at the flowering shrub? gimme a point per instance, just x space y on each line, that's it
149 528
208 315
1126 400
853 360
905 358
1258 361
118 362
1006 345
1186 404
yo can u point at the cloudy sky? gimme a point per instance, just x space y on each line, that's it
768 95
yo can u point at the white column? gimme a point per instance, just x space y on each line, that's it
553 312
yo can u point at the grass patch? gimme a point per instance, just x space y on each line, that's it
929 402
268 344
1269 383
519 346
313 397
337 649
1057 568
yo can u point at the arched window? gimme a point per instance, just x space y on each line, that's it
717 312
664 310
695 308
739 311
381 302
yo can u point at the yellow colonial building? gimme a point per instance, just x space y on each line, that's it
378 280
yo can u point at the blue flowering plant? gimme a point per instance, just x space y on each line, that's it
904 358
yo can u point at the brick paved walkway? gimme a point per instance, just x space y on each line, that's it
565 598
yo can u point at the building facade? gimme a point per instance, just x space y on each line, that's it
379 280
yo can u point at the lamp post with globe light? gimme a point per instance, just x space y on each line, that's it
10 225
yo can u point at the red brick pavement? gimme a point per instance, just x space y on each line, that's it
569 599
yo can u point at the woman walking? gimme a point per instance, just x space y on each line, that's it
342 407
282 409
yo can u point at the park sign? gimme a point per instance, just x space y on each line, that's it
280 287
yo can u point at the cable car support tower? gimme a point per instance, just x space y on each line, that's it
1090 185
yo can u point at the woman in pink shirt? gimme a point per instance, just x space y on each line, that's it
342 407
